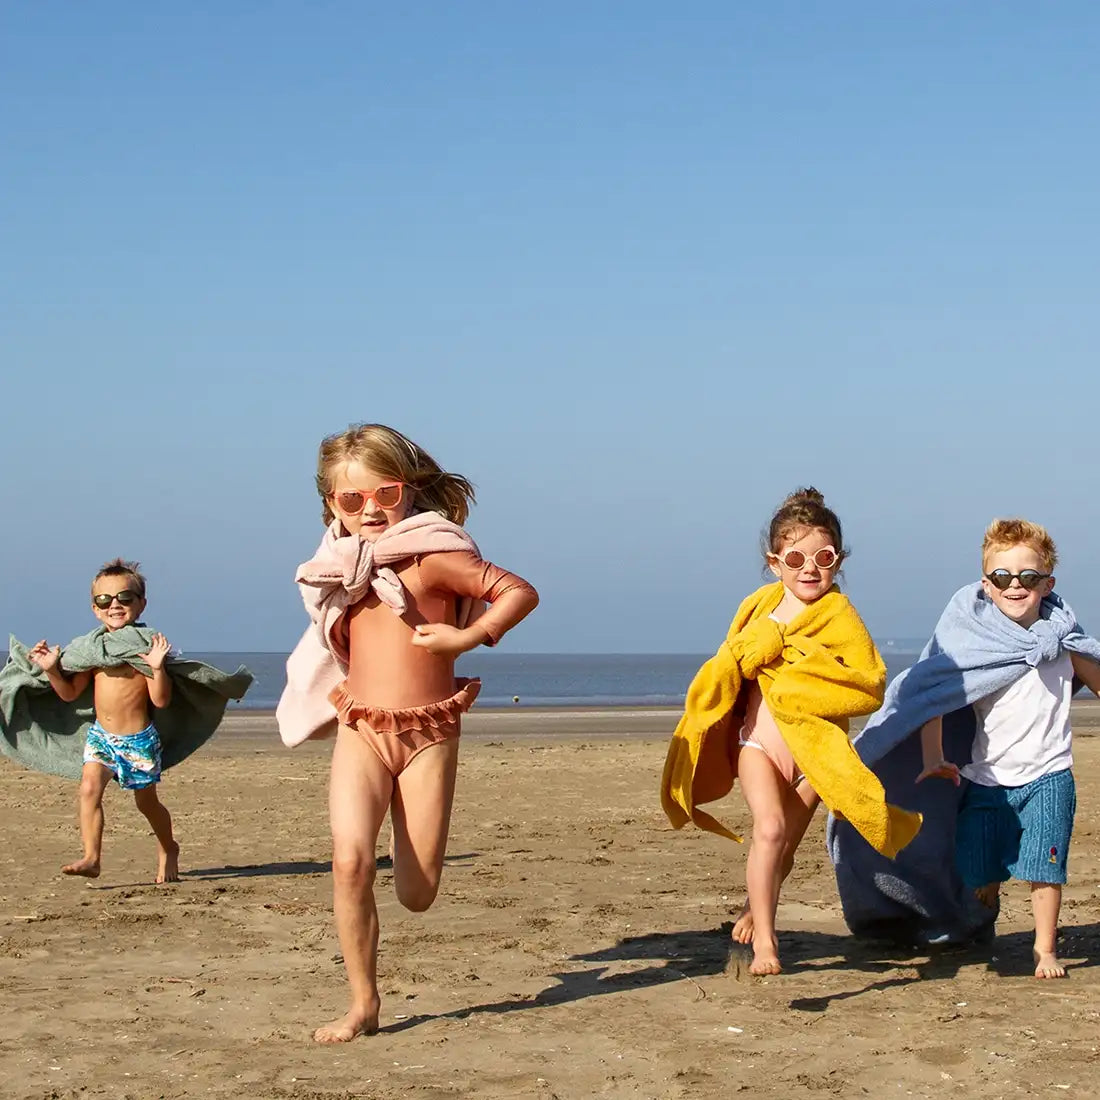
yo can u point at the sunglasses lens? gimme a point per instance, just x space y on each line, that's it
794 559
1001 579
351 501
104 599
825 558
1031 578
388 496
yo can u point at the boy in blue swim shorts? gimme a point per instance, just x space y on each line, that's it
123 743
1015 818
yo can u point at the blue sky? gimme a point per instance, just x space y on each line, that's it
636 269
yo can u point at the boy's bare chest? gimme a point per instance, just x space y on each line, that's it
122 672
122 682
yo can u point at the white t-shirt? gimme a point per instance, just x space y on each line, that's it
1023 729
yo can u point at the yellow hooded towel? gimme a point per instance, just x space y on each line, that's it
815 673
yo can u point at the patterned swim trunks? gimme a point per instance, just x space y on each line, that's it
134 757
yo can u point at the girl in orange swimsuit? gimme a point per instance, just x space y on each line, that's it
391 592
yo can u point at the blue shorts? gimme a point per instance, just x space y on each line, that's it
1016 832
133 757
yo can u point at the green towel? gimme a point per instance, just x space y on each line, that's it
43 733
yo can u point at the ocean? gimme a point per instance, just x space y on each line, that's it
547 679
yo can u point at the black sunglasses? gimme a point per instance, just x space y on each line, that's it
1028 578
104 600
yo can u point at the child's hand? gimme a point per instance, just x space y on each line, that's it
942 769
45 657
158 651
441 639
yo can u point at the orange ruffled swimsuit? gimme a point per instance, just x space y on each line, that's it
389 679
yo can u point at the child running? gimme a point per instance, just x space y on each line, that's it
130 673
1016 814
392 594
772 708
986 702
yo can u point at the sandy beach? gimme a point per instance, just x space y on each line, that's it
579 947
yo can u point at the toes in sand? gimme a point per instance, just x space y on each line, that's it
765 958
348 1027
742 927
86 868
1047 965
168 865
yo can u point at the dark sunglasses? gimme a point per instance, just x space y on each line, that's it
104 599
1029 578
354 501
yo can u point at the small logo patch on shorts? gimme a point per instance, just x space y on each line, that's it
1054 855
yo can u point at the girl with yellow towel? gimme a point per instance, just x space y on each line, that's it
771 708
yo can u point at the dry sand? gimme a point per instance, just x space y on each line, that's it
579 947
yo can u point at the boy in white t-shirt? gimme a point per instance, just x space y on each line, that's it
1016 815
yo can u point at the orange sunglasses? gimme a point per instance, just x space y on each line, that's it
354 501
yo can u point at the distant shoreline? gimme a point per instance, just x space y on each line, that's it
255 730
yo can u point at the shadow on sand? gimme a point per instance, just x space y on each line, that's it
678 956
299 867
260 870
686 956
1008 956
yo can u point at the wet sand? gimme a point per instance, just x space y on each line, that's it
579 947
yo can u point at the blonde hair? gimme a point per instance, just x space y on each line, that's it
118 567
804 508
1003 534
391 454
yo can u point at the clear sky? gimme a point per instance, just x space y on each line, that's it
637 269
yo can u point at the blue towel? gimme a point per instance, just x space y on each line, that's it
974 651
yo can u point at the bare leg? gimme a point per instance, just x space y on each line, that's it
799 806
762 787
421 817
360 790
93 782
1046 902
987 894
156 813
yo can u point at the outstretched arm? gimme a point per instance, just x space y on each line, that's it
160 686
48 659
1088 672
931 744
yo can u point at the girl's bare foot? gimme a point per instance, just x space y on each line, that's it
168 864
1047 965
742 927
765 957
353 1023
86 867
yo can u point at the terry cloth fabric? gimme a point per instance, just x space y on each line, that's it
815 673
46 734
336 578
974 651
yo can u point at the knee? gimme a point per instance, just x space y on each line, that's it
769 830
353 868
417 896
91 790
